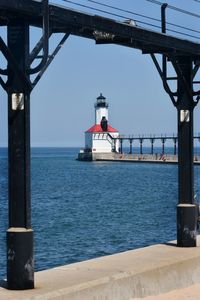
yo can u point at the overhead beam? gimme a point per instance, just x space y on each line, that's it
82 24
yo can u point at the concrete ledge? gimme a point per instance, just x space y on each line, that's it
138 273
134 158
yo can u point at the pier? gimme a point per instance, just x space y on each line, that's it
140 139
135 152
158 158
113 277
139 273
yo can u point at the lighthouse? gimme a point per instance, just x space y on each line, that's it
101 109
101 138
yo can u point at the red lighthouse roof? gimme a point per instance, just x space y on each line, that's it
98 128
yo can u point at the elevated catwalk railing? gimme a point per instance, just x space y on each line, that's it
150 138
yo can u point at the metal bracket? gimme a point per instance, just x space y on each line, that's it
180 74
164 80
3 84
50 59
44 42
195 70
4 71
37 49
14 65
184 81
163 74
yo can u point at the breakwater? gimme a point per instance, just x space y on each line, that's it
125 157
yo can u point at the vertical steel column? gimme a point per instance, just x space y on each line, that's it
20 266
186 209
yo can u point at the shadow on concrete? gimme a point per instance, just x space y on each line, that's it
170 244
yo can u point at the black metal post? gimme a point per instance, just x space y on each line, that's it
186 209
163 146
131 146
175 141
163 23
121 146
163 17
141 142
152 142
20 265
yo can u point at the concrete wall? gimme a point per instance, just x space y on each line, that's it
101 143
133 157
137 273
88 140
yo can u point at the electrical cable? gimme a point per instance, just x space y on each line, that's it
137 21
109 13
185 34
143 16
176 8
124 10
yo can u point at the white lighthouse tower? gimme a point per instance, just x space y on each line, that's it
101 109
101 137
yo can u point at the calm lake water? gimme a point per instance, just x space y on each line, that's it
82 210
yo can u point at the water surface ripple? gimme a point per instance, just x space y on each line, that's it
82 210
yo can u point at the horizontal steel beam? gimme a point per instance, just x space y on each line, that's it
82 24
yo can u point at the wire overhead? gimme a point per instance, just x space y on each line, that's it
176 8
124 10
143 16
139 21
110 13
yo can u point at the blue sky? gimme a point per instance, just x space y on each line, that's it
62 104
